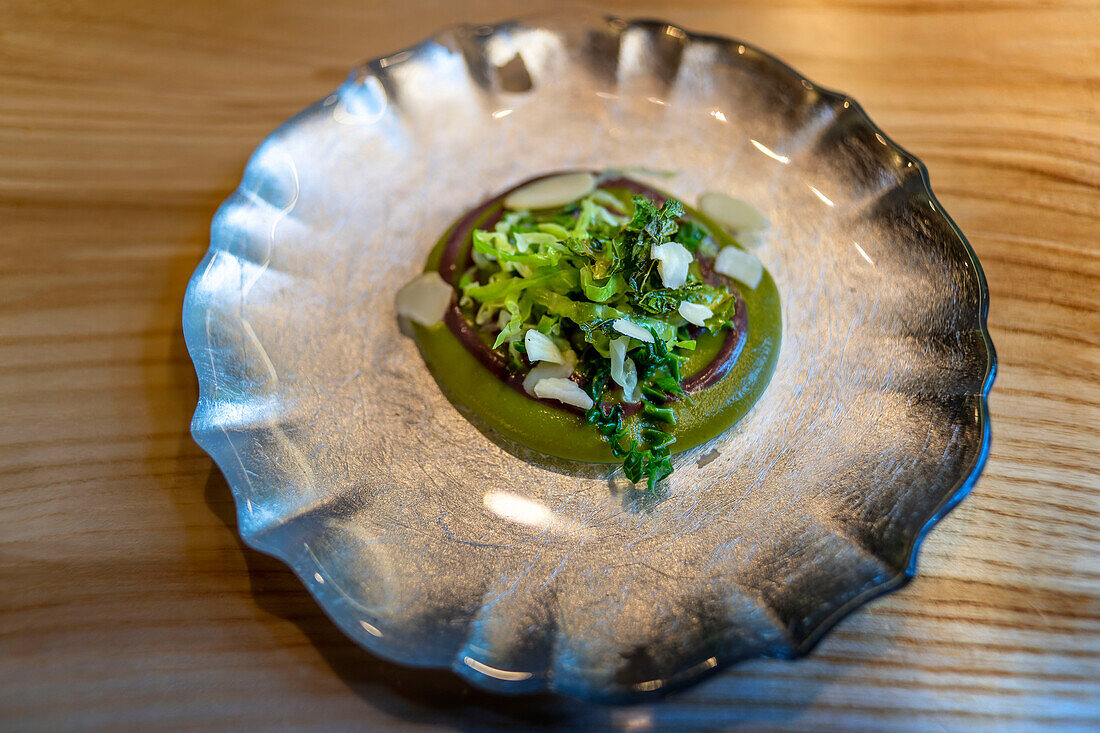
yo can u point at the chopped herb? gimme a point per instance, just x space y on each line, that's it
570 273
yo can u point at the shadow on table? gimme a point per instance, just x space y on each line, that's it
438 696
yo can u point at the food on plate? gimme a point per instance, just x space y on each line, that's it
594 318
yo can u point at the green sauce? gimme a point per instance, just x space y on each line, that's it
500 411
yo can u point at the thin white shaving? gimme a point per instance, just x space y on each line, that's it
541 348
424 299
550 371
733 214
694 313
633 330
563 390
551 192
631 391
740 265
673 261
619 347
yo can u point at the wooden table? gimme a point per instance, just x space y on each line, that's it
129 601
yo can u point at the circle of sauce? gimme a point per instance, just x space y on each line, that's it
492 360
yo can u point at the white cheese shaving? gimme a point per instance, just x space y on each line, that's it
619 347
563 390
550 371
551 192
740 265
673 260
733 214
541 347
695 313
424 299
627 328
631 391
623 370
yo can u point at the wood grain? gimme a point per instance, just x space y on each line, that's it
129 601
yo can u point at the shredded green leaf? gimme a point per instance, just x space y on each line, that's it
571 273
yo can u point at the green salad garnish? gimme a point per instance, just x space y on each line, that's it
597 303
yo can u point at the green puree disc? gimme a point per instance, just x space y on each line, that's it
494 406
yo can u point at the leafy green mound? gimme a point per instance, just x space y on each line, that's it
592 277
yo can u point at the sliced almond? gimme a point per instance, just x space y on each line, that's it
424 299
541 348
548 371
674 260
694 313
551 192
740 265
563 390
633 330
731 213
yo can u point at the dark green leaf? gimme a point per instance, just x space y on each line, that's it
664 414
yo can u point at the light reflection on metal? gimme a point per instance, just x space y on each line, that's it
395 59
370 628
636 719
518 509
718 115
500 674
502 113
769 152
362 104
529 513
823 197
864 254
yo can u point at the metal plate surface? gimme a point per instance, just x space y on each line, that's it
429 544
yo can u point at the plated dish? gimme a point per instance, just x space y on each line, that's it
595 318
432 542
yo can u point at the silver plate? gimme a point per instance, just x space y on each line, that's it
430 545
